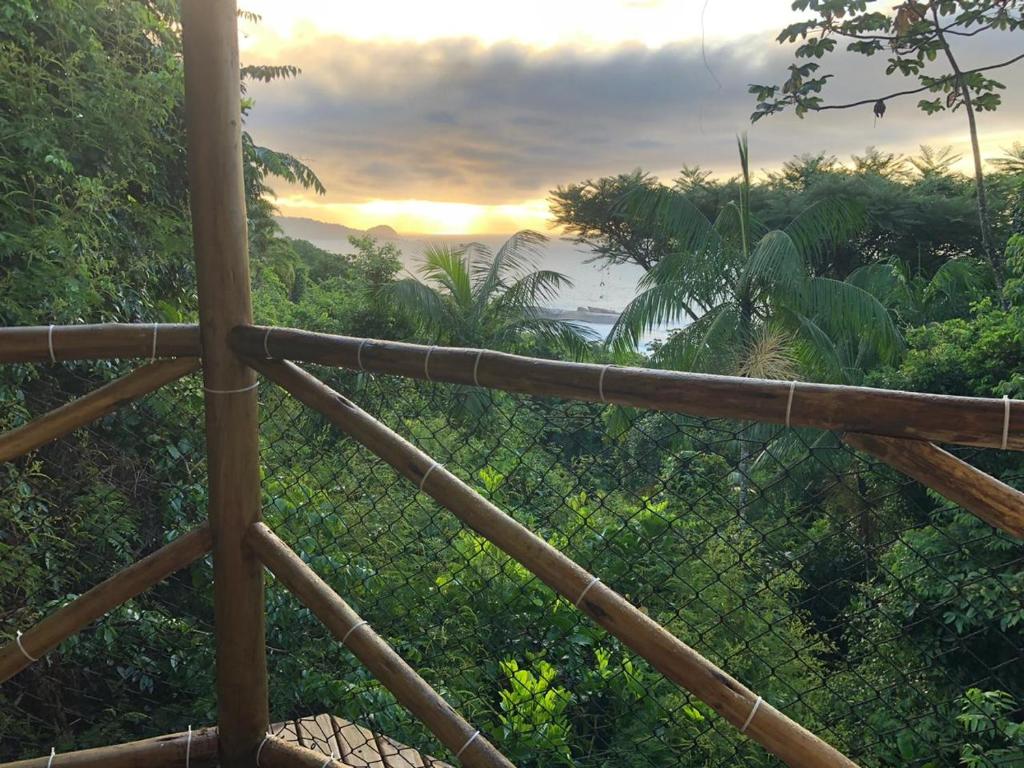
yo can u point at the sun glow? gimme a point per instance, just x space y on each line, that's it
422 216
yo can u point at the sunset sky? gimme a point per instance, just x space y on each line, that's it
458 117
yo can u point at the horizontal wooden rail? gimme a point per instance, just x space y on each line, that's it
411 690
993 501
940 418
780 735
95 405
160 752
278 753
34 343
101 599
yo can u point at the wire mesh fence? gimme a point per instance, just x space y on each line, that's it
75 512
870 610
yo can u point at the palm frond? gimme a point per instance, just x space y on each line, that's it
850 312
533 290
516 255
417 301
666 210
708 345
822 227
448 268
575 339
775 261
660 304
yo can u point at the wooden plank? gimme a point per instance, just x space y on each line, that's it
105 341
678 662
161 752
219 230
95 405
993 501
377 656
940 418
278 753
101 599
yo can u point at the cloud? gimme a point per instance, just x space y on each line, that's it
455 120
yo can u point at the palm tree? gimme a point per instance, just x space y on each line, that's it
761 304
472 298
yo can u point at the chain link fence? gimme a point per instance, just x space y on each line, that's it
870 610
77 511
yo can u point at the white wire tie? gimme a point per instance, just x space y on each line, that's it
750 717
359 354
600 383
188 748
328 761
152 351
231 391
426 474
789 402
266 340
260 747
476 366
426 364
1006 420
586 589
469 741
17 639
53 754
49 343
352 629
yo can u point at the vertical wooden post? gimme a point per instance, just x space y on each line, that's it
213 121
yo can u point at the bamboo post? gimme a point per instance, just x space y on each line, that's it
776 732
411 690
981 494
219 228
34 344
278 753
175 751
101 599
95 405
974 421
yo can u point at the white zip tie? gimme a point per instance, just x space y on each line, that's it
750 717
352 629
1006 420
329 760
231 391
266 340
789 402
359 354
586 589
188 748
600 383
476 366
426 364
17 639
260 747
49 343
53 754
469 741
426 474
153 351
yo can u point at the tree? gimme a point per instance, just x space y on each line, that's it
472 298
758 303
914 34
588 213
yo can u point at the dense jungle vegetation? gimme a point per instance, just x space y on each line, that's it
867 608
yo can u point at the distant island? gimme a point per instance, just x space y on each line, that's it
301 228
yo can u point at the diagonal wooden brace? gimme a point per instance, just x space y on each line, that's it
776 732
101 599
95 405
411 690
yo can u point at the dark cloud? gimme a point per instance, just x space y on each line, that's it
453 120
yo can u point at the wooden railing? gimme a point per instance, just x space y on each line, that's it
854 410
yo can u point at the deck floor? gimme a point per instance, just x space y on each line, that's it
356 745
